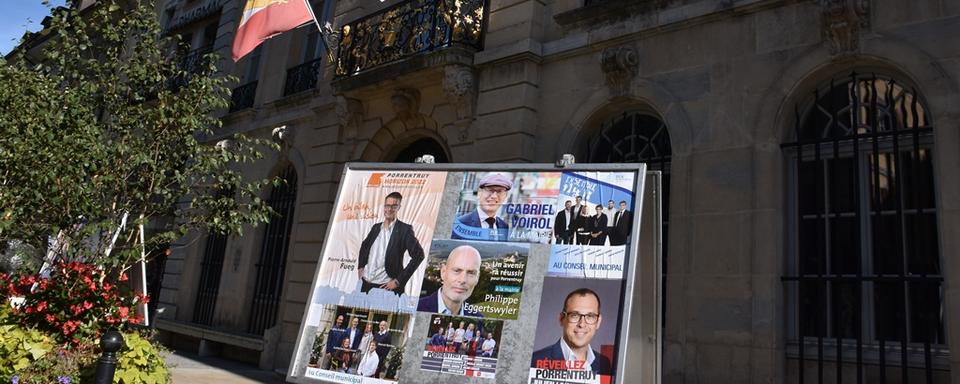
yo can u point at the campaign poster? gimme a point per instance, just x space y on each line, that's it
357 345
380 235
507 207
593 225
577 331
464 346
474 279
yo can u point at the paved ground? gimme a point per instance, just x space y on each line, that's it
192 369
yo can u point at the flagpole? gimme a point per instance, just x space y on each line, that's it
315 21
323 36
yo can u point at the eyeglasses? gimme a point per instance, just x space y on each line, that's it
574 317
499 191
392 206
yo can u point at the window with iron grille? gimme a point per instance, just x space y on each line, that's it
211 267
273 255
864 275
308 72
637 137
209 287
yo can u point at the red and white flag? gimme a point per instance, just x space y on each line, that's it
262 19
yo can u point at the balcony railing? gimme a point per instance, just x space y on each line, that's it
242 96
408 29
191 63
302 77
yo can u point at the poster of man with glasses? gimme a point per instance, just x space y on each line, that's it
507 206
576 335
381 226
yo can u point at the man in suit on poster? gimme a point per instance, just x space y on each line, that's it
383 340
622 224
578 206
459 274
335 335
484 223
561 224
353 334
580 320
380 264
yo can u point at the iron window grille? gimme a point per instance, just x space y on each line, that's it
211 267
303 77
209 287
273 255
864 277
243 96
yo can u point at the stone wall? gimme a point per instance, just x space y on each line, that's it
724 77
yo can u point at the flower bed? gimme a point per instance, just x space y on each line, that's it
50 331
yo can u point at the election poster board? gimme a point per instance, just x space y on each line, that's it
519 273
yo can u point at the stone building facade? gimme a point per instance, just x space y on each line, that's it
811 150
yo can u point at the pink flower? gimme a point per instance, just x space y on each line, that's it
70 326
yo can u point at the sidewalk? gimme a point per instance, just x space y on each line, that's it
187 368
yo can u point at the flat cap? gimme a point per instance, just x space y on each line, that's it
496 179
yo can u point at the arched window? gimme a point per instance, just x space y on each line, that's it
273 255
637 137
864 261
424 146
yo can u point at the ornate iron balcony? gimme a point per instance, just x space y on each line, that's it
302 77
191 63
408 29
242 96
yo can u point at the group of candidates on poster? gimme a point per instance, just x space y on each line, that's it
385 259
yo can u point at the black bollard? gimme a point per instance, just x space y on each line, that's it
110 344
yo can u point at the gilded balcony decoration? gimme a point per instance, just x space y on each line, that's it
408 29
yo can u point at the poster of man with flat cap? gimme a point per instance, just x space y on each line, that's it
506 206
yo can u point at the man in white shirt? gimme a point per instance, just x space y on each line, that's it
380 264
370 361
486 349
458 335
609 211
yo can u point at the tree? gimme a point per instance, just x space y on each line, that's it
110 128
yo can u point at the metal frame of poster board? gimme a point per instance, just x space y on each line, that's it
638 353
